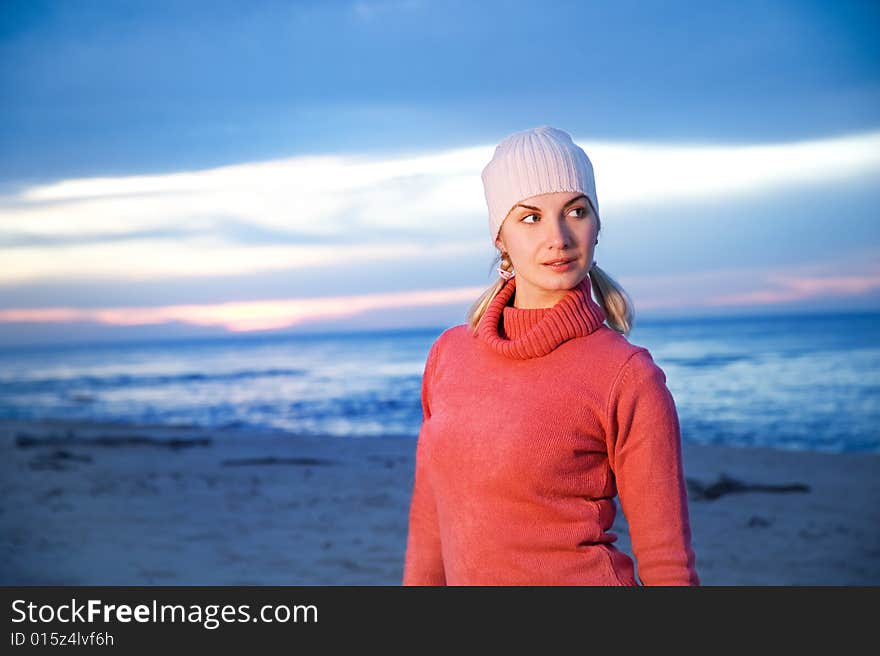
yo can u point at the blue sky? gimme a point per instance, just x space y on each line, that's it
198 167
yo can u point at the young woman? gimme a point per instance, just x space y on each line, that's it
537 414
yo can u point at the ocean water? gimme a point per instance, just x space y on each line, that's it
798 382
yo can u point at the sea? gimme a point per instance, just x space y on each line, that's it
800 382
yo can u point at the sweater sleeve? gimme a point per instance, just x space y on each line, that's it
423 564
645 455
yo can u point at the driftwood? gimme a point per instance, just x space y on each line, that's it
728 485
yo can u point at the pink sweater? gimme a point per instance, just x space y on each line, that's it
530 429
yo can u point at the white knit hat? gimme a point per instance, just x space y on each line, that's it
531 162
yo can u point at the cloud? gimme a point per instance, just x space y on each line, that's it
315 195
156 259
787 289
853 275
639 175
704 290
321 209
247 316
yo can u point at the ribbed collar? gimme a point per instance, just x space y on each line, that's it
521 333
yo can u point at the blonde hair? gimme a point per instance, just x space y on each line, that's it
618 306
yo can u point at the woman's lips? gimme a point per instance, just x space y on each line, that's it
561 267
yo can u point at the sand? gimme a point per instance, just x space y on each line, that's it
91 504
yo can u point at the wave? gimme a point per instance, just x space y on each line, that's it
135 380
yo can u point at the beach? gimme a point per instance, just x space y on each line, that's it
103 504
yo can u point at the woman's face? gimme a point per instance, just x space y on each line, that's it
543 229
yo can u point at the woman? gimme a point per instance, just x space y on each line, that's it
537 414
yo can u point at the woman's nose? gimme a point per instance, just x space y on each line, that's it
557 233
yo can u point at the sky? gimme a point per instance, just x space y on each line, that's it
198 169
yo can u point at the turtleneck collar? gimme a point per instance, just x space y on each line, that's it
523 333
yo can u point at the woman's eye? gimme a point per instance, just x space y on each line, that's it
581 212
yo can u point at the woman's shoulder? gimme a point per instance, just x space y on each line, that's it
449 339
616 346
453 335
630 360
621 358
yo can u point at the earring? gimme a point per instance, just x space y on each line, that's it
507 275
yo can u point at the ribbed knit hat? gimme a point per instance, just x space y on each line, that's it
536 161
